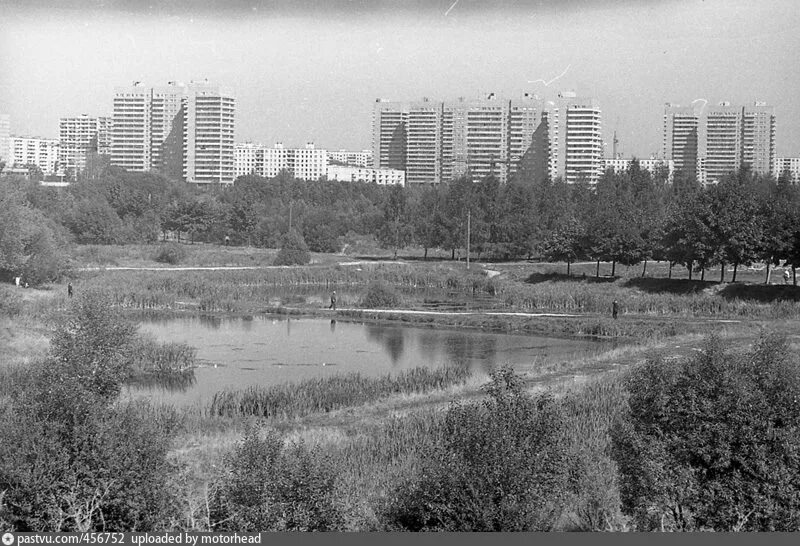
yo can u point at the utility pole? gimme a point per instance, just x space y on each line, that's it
290 215
468 237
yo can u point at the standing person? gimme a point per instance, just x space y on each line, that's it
333 301
69 289
786 276
227 240
614 309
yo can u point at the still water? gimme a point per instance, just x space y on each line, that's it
234 353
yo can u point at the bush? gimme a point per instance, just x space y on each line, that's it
293 250
107 471
72 458
502 466
170 253
713 442
92 348
267 487
381 296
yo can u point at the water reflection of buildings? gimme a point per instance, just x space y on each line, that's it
449 348
392 339
210 321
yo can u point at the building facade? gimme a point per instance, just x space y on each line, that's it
737 137
307 163
790 165
681 139
435 141
42 152
382 177
651 165
183 131
361 158
576 139
80 136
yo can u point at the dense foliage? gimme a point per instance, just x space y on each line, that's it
267 486
502 465
628 218
74 458
711 442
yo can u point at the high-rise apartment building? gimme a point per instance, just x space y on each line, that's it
208 133
739 136
576 139
80 136
758 137
389 134
723 140
438 141
423 142
681 139
184 131
130 135
42 152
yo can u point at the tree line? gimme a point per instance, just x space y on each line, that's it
628 218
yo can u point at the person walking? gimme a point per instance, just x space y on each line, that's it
614 309
333 301
69 289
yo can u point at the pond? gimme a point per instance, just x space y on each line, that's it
234 353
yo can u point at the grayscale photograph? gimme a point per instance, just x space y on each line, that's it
398 266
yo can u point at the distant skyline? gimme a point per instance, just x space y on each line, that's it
311 70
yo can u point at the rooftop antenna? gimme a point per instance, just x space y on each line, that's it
614 145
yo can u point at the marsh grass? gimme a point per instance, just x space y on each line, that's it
149 357
326 394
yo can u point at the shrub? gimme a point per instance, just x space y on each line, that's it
107 471
269 487
92 347
381 296
293 250
502 466
711 442
170 253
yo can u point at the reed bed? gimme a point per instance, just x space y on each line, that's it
250 290
150 357
326 394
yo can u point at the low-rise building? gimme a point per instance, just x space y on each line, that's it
345 157
790 164
651 165
383 177
307 163
42 152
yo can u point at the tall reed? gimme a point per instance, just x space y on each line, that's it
326 394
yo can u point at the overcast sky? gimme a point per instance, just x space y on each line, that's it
310 70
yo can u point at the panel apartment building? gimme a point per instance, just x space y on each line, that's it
439 141
681 139
80 136
42 152
739 136
183 131
307 163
